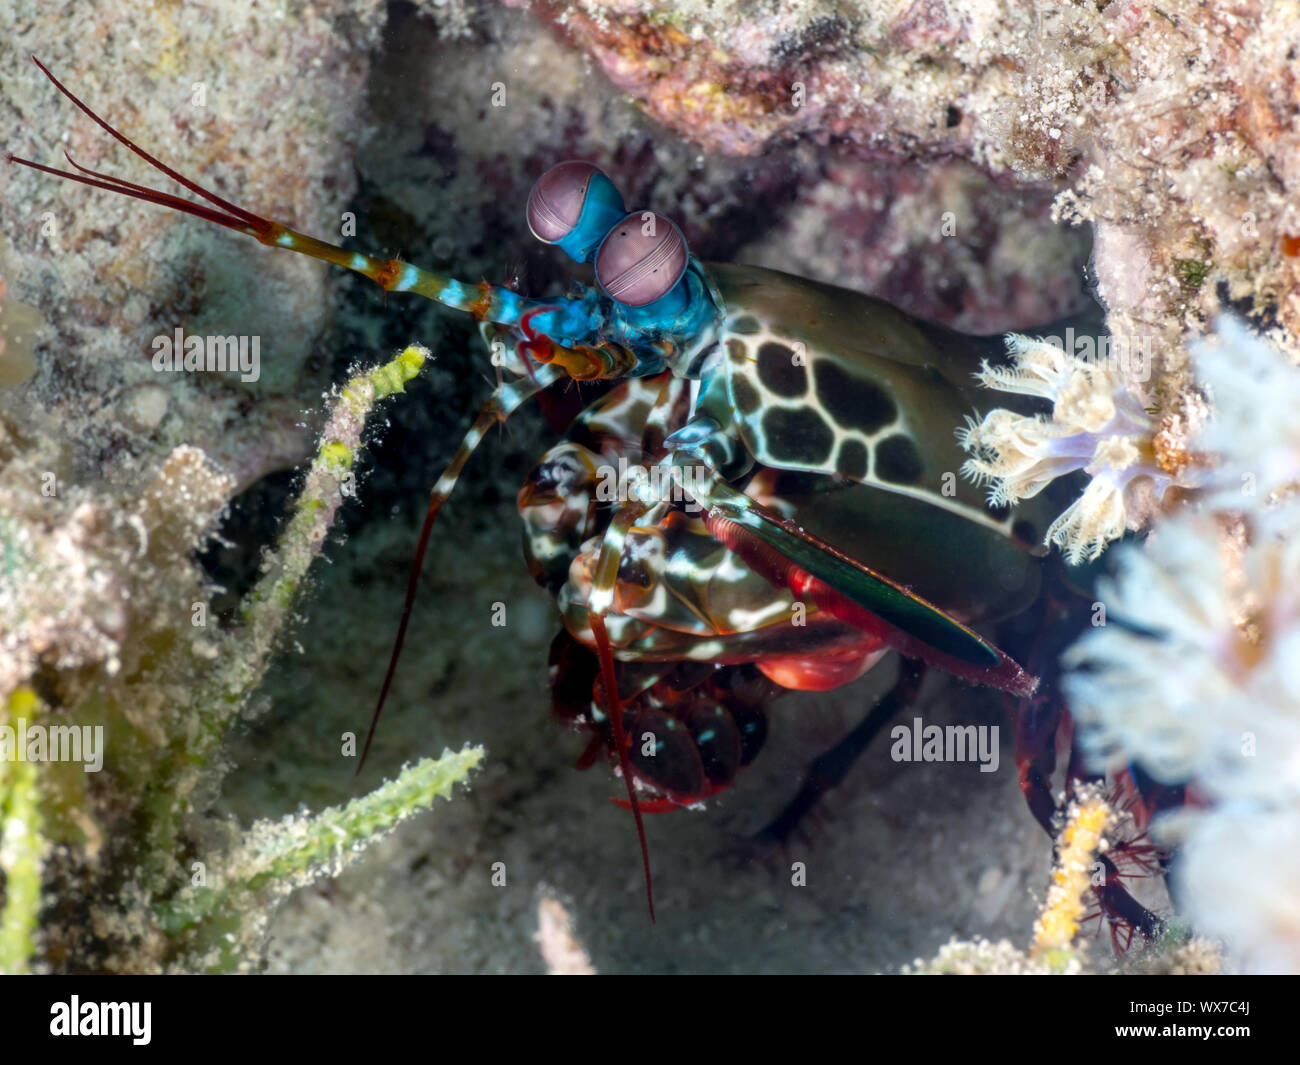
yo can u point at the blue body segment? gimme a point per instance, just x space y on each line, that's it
586 317
576 319
602 210
684 313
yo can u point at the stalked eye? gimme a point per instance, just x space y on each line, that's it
641 260
574 204
555 204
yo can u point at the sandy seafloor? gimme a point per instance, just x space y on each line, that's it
899 859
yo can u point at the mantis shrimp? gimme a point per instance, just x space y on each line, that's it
794 516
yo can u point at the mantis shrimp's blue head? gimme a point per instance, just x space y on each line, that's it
639 259
658 300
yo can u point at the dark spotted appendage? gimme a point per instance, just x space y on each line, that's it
798 437
897 461
778 372
851 401
852 461
746 396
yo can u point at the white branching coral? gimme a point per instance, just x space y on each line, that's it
1255 433
1096 426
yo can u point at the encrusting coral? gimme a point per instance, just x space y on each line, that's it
110 277
1168 127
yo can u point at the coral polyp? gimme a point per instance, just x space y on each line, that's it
1096 425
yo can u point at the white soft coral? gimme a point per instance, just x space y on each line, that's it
1255 434
1198 684
1240 868
1096 426
1194 676
1198 681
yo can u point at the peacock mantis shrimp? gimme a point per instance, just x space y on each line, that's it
793 517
